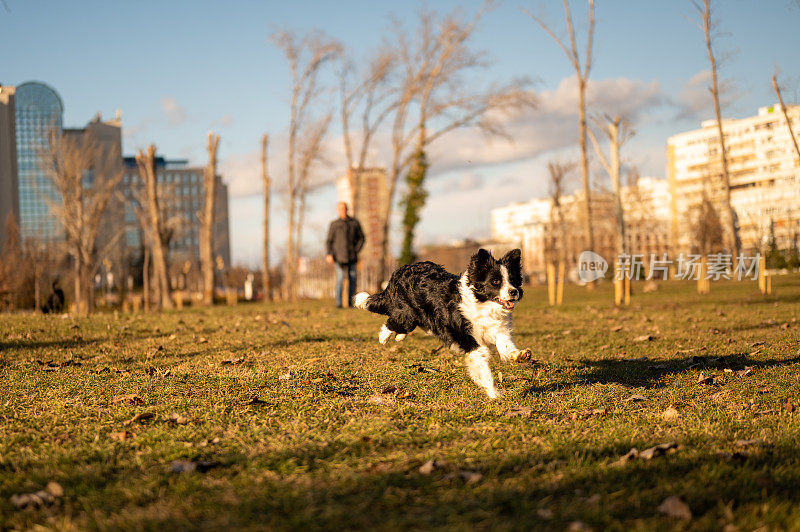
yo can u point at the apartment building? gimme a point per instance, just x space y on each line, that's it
764 175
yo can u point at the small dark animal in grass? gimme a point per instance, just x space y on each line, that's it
468 312
55 303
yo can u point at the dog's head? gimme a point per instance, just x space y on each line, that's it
494 280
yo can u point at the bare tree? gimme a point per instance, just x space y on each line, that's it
265 179
582 77
12 258
618 132
785 114
558 173
85 176
371 95
434 65
708 26
707 227
156 227
306 55
206 218
170 224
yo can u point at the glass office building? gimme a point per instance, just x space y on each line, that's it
181 196
38 110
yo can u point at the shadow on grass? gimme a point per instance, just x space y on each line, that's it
651 373
66 343
570 483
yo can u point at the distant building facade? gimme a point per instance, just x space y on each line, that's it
9 187
370 207
181 197
764 175
38 109
546 235
28 113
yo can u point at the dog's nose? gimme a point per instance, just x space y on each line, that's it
513 292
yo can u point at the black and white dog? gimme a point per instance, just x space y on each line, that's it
468 313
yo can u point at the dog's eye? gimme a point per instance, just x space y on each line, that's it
496 282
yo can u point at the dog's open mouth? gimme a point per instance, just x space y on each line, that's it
507 304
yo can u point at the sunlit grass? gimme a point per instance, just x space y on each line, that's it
281 409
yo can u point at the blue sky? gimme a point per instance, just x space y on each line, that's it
180 68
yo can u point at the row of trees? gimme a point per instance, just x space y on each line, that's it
715 225
416 88
89 203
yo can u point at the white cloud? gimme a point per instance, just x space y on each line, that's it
694 101
175 114
552 125
242 171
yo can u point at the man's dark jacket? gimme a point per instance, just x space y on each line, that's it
345 240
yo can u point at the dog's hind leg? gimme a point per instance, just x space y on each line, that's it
477 362
384 334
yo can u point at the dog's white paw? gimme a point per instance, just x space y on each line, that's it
517 355
360 300
399 337
384 335
492 393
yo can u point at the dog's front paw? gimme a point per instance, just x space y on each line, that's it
524 355
518 355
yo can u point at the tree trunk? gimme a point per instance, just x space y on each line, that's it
291 263
265 278
585 164
207 221
733 233
76 285
146 279
614 164
786 116
159 258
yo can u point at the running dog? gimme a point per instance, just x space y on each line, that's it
468 312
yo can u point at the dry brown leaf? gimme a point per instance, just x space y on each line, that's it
48 495
232 361
121 435
675 507
635 399
127 398
747 443
379 399
670 414
432 465
789 406
644 338
177 419
187 466
522 411
254 400
138 418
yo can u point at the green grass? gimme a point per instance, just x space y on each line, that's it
320 451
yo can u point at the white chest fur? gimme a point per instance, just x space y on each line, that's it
489 320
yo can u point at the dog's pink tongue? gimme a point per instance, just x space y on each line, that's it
508 304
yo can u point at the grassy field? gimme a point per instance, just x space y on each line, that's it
294 417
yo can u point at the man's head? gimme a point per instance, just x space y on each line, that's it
341 208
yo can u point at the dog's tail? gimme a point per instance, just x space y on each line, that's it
373 303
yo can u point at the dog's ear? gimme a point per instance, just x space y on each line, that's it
513 261
479 265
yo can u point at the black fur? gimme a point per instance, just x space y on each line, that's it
426 295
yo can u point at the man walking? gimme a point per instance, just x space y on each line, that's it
345 240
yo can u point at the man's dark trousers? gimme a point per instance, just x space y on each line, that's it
347 269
